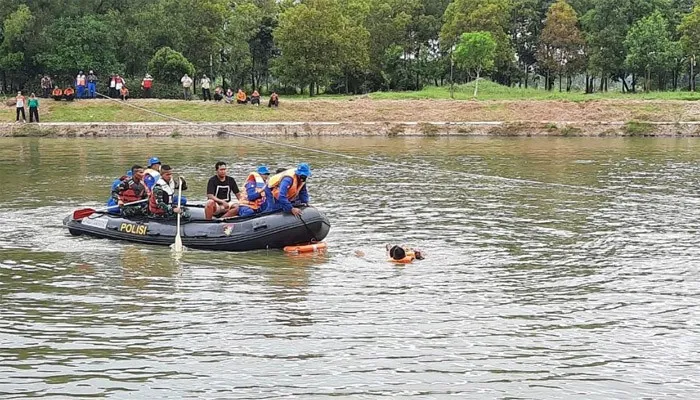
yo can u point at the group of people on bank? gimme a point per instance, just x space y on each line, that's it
151 192
229 97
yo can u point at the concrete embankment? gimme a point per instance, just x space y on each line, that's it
390 129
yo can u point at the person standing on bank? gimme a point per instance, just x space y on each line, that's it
91 84
220 191
20 107
46 86
33 104
206 85
146 85
80 82
186 86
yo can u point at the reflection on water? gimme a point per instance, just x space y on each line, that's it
528 290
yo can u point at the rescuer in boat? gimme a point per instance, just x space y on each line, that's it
162 201
114 195
152 172
253 200
133 190
289 187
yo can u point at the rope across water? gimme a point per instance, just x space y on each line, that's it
587 190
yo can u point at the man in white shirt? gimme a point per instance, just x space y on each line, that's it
206 93
186 86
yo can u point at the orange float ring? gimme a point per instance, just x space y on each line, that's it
306 248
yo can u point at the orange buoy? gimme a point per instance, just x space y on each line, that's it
306 248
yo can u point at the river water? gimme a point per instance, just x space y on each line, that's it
577 277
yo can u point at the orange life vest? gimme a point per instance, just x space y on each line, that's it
410 256
259 187
68 92
135 192
57 92
274 184
168 193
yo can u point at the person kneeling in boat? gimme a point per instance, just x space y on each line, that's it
403 255
289 187
133 191
114 194
254 201
162 202
220 191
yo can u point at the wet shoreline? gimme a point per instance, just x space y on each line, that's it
383 128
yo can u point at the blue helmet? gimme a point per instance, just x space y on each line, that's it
153 161
303 169
129 173
262 170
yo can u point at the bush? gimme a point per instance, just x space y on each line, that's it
168 65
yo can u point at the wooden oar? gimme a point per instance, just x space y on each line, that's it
177 246
86 212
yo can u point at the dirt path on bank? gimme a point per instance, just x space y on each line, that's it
360 109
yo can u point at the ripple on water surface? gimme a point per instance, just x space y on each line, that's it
529 291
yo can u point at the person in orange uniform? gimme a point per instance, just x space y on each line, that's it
241 97
69 93
254 199
289 187
57 94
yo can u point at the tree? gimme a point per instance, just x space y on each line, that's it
481 15
311 42
80 43
649 46
15 31
169 65
475 52
561 44
689 29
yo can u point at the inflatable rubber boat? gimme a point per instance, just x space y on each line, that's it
265 231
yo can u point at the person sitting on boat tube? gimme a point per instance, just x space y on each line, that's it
131 191
113 195
162 202
221 189
289 187
403 255
253 200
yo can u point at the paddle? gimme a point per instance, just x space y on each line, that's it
177 246
86 212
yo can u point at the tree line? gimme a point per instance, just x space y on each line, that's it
352 46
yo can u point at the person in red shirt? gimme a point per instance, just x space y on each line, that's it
146 85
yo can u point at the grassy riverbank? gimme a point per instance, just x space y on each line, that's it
495 103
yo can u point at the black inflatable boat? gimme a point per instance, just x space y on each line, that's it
265 231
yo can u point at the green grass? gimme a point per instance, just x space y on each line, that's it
493 91
495 103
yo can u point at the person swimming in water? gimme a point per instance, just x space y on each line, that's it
403 254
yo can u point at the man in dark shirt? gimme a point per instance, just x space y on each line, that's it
220 191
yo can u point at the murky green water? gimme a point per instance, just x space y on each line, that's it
529 290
